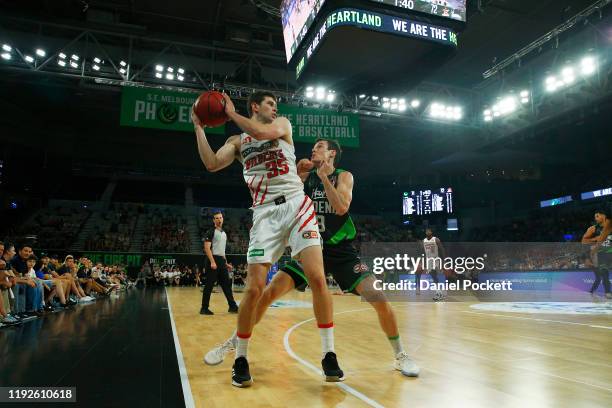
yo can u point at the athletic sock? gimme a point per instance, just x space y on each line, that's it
234 338
242 344
396 343
327 337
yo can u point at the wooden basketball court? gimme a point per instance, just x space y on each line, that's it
468 357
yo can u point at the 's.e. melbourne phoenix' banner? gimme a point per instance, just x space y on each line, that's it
310 124
159 109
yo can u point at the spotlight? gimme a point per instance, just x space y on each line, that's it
170 69
159 68
74 64
28 59
362 96
551 83
62 55
374 98
415 103
97 60
402 108
6 56
331 97
488 118
7 48
487 112
394 106
61 63
181 71
309 89
95 67
524 100
524 94
123 63
122 71
386 105
180 77
587 65
310 94
40 52
393 100
75 57
568 75
320 93
169 77
158 75
402 101
385 99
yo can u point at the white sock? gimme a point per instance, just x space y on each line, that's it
396 343
327 339
233 338
241 346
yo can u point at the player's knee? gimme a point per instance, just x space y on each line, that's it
254 292
317 283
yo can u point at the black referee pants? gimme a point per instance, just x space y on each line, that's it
213 275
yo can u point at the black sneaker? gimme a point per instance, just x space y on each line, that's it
206 312
331 369
49 308
233 309
241 377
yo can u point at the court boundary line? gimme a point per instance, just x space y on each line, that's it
343 386
539 320
187 395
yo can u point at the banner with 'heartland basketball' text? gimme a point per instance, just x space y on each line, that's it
309 124
159 109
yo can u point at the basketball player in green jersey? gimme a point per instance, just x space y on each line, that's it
330 190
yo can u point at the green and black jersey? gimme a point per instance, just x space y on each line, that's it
337 231
604 251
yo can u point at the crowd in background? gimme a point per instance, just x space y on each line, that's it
165 232
32 285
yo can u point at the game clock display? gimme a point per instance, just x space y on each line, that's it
454 9
426 202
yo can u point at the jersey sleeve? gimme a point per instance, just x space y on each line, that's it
208 237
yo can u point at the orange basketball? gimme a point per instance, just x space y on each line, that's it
210 108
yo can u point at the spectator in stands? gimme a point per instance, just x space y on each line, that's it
7 281
68 271
62 287
29 289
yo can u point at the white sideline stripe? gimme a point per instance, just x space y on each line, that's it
300 360
189 403
540 320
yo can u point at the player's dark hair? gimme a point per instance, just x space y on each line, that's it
216 212
258 97
603 212
332 145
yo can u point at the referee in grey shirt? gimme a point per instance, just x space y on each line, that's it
216 266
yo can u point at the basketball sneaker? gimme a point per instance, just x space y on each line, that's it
241 377
405 364
217 355
438 296
331 369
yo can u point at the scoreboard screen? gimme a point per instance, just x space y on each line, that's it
455 9
297 17
428 202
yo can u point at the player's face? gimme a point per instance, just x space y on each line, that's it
320 153
266 111
599 218
429 233
218 219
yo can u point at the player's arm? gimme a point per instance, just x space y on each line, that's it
587 238
606 230
339 197
303 168
223 157
279 128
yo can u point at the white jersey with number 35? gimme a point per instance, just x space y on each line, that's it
269 169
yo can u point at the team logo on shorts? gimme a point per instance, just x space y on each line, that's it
256 252
360 267
310 235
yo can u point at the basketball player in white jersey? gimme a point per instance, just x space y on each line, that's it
282 216
433 250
